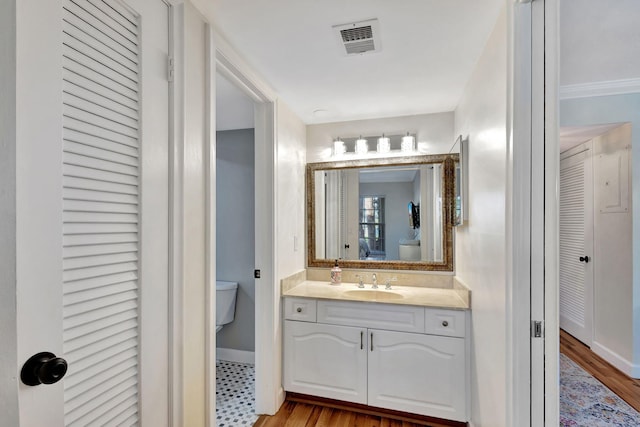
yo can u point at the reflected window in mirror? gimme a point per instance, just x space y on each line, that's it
372 230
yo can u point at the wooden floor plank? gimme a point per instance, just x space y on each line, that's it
365 420
312 421
325 418
299 416
627 388
308 411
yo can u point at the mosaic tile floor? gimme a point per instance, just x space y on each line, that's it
235 394
585 401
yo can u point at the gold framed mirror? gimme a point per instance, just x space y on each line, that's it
393 213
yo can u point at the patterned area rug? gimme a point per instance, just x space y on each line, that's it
585 401
235 394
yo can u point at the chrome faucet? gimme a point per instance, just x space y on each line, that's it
360 283
388 286
374 280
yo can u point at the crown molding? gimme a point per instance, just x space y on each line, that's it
604 88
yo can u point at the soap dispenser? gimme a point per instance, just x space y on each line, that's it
336 274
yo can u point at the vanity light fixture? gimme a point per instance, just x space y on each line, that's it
393 146
408 143
338 147
361 146
384 144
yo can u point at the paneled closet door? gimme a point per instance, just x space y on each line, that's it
99 298
576 242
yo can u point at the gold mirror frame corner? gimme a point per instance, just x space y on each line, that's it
448 161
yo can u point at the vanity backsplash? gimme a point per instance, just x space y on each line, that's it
442 281
417 279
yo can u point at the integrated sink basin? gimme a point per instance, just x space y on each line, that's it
373 295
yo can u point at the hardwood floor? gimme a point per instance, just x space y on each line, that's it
306 411
627 388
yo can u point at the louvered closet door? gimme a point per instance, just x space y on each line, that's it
576 241
92 210
104 238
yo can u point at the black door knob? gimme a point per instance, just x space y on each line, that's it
584 258
43 368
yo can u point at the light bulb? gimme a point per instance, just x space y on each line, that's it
384 144
338 147
361 146
408 143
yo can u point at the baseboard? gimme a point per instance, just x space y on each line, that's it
619 362
239 356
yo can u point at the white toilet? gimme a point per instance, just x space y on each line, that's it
225 302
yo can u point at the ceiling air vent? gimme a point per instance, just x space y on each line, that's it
358 37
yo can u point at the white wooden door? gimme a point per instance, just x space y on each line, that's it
326 360
421 374
576 242
93 225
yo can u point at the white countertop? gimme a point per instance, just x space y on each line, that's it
404 295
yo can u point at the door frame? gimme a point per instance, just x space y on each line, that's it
521 226
535 203
220 57
548 166
269 393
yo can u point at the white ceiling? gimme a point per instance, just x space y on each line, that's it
425 60
570 136
429 49
599 40
387 174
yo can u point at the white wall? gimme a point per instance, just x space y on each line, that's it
8 336
235 232
480 243
290 220
613 293
290 178
434 130
616 109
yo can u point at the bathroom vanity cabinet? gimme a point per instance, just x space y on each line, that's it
401 357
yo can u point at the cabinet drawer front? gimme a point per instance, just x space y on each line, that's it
449 323
303 309
370 315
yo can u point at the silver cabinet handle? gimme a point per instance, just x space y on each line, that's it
299 309
371 341
445 323
361 340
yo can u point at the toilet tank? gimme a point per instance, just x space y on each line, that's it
225 302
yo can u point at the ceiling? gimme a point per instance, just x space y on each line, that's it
428 51
570 136
429 48
387 174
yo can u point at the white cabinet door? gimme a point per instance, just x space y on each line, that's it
326 360
417 373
